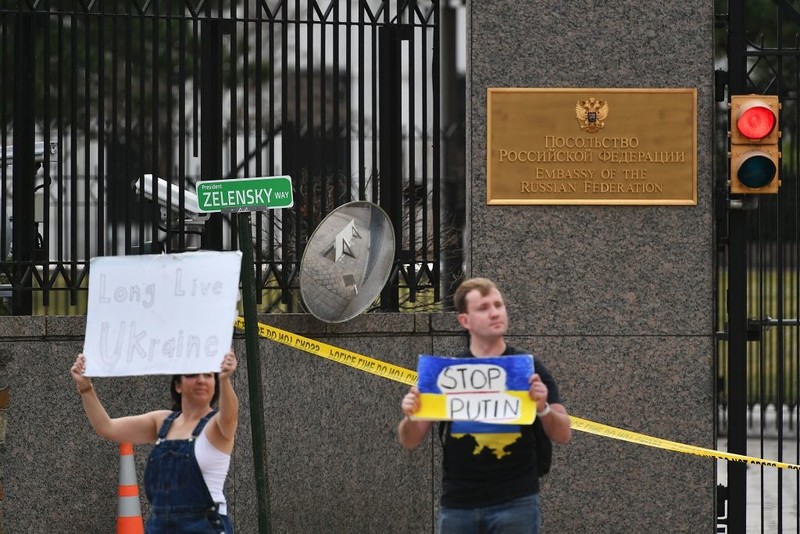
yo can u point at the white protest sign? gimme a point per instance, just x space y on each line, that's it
160 314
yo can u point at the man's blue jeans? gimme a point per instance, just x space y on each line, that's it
520 516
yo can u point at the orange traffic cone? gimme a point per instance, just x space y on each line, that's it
129 513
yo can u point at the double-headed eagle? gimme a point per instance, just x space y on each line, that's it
591 114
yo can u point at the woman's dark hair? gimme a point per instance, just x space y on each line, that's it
176 397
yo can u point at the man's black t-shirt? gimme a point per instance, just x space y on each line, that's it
485 463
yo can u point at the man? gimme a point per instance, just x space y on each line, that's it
490 481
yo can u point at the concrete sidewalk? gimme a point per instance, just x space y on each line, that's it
789 419
770 491
763 484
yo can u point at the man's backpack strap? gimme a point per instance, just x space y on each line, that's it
444 428
544 448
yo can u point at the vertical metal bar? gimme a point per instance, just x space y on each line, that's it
737 371
347 138
24 165
230 29
307 139
153 214
390 156
322 137
425 65
45 228
794 373
271 246
436 140
780 331
374 174
362 63
164 120
182 107
761 388
5 229
737 303
87 158
340 166
294 157
101 136
73 144
410 181
245 53
211 119
195 86
259 144
155 134
116 173
288 132
60 136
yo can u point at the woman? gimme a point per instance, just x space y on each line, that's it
188 465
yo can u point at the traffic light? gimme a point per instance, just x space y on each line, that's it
755 156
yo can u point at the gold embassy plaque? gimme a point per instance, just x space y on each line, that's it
592 146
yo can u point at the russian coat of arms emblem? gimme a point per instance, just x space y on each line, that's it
591 114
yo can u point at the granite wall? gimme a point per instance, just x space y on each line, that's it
617 300
333 463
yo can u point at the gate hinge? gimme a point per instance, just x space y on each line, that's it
720 82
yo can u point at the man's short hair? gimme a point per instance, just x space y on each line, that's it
483 285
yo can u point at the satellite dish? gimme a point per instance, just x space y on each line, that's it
347 261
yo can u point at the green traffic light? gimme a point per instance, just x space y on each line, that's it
756 171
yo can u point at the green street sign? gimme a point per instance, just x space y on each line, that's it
245 194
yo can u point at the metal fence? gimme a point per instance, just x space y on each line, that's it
342 96
758 285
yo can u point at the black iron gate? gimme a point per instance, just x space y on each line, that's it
103 102
758 277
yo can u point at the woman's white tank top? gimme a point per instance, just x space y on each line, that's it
214 465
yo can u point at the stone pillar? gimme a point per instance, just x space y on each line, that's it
3 427
616 300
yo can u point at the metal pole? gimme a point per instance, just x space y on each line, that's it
211 119
391 184
737 370
254 371
737 300
23 233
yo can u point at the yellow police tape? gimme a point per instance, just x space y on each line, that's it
409 377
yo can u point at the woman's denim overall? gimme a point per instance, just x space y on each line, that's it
178 495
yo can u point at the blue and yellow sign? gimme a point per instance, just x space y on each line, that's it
492 390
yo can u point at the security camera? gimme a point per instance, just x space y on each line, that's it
38 152
159 193
167 196
40 184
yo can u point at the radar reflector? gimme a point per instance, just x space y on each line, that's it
347 261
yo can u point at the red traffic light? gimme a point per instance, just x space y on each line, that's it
756 122
754 119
